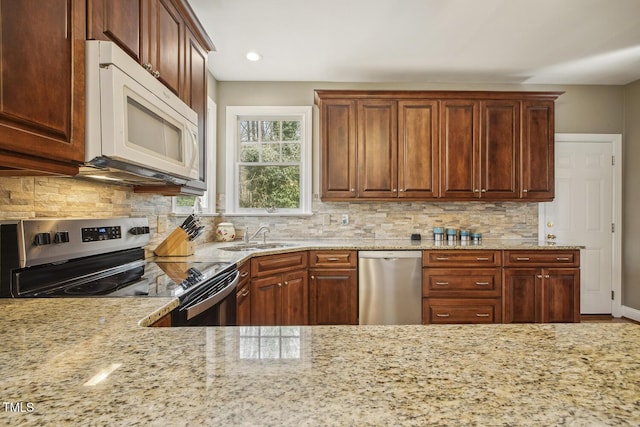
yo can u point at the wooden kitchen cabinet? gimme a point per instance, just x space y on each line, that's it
377 149
333 287
418 149
280 290
538 139
243 295
445 145
541 286
461 286
42 113
480 143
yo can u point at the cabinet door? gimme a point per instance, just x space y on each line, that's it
295 298
561 295
265 301
42 111
195 92
377 149
118 21
162 42
499 150
459 137
522 288
418 149
334 297
537 150
338 149
243 305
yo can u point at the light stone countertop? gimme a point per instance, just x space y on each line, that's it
555 374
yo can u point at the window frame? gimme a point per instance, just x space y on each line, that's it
233 113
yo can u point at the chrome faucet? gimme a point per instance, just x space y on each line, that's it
264 229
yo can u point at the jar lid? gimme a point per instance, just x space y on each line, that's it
225 224
452 231
476 235
438 230
464 232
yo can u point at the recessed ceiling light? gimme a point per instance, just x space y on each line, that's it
253 56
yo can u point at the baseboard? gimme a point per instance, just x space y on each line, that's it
631 313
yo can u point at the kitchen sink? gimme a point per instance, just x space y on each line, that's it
254 246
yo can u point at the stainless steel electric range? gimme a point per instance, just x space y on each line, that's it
73 258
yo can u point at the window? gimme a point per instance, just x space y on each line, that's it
185 204
269 153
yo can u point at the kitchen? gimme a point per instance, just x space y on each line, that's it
583 108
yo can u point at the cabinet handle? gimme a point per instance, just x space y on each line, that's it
482 315
394 190
539 276
476 191
522 259
333 259
563 258
482 258
482 283
442 258
313 277
484 190
286 283
353 190
546 276
244 274
442 283
244 292
279 284
525 191
401 190
442 315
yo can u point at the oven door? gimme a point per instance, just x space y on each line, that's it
213 304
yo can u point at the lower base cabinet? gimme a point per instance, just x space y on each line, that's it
541 287
333 288
243 295
461 310
280 290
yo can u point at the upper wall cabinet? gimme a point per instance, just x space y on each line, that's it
42 86
416 145
42 72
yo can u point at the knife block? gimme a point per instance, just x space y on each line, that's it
176 244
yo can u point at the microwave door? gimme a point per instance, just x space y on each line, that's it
139 127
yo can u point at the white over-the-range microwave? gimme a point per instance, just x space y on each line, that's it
137 131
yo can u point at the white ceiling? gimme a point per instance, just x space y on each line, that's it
474 41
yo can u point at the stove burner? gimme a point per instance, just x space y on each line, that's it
93 288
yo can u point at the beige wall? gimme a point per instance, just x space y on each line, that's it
631 198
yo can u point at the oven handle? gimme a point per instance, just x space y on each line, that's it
200 307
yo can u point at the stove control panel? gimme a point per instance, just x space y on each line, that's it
96 234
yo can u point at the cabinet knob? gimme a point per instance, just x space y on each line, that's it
156 74
476 191
546 276
147 66
539 276
401 190
551 236
286 283
394 190
484 190
353 190
279 284
525 191
313 277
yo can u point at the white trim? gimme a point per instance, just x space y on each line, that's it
232 113
630 313
616 141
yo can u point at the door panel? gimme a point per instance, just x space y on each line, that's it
295 298
583 213
377 149
499 149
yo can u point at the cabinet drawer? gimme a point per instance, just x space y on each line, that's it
461 258
461 311
331 259
270 264
245 273
542 258
462 283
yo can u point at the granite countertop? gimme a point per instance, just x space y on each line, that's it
553 374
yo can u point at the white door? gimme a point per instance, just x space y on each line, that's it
585 208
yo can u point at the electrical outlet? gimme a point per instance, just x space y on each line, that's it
345 219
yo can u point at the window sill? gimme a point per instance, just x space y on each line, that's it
267 214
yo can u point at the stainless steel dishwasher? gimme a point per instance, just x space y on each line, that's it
389 287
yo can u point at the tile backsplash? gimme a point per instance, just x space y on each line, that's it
39 197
